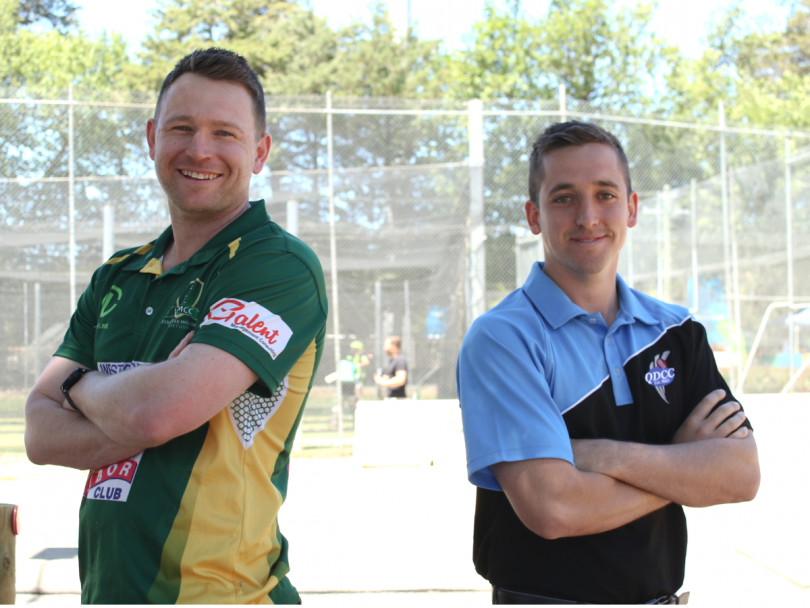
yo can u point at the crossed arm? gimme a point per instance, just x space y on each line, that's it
712 460
123 414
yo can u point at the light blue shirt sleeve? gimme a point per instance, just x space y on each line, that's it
506 402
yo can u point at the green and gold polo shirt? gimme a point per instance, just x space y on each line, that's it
195 520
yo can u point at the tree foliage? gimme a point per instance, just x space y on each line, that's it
59 14
762 77
605 55
52 59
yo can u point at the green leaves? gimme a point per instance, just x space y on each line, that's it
603 54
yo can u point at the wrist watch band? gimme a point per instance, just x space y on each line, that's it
70 382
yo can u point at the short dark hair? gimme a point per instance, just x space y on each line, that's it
220 64
564 134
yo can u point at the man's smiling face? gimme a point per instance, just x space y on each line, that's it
205 146
583 212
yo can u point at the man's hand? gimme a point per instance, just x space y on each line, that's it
703 423
700 468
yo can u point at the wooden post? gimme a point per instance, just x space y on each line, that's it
8 540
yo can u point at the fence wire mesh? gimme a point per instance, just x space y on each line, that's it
426 237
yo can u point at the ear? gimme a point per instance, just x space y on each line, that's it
262 151
632 207
533 216
151 128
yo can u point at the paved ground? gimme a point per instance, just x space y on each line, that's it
397 536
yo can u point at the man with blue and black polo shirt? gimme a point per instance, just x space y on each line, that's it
591 411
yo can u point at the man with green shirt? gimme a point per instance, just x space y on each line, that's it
203 346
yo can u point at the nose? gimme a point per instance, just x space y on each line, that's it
587 214
200 146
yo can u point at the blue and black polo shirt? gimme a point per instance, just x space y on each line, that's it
537 371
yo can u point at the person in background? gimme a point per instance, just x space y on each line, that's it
361 361
395 376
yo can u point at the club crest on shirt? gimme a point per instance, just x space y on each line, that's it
660 375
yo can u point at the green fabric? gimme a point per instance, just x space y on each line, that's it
126 317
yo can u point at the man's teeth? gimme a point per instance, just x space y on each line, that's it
194 175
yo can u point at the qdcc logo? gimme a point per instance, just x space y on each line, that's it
660 375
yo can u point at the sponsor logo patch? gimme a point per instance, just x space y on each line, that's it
107 304
114 368
112 482
660 375
253 320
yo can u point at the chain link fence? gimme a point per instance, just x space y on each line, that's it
422 202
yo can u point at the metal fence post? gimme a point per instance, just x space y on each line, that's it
789 248
37 327
71 204
477 272
659 243
666 227
727 283
108 237
695 276
735 268
335 306
406 328
563 103
631 275
26 345
292 217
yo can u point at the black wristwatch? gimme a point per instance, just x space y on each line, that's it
70 382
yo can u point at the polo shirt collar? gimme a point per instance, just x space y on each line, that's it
150 262
558 309
629 304
551 301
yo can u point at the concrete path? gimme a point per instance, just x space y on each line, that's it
397 536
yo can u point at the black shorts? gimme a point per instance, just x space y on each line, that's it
347 389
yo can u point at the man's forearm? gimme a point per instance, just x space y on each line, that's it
149 405
554 500
119 404
56 436
696 474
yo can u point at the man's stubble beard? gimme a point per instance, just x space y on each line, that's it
215 205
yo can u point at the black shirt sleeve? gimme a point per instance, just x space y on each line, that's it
704 375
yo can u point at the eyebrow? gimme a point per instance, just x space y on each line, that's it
567 186
218 123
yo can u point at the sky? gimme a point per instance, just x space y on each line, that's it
680 22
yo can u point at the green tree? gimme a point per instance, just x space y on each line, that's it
762 77
50 60
604 54
377 61
60 14
291 50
